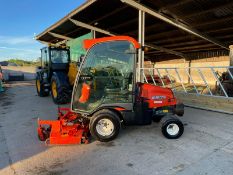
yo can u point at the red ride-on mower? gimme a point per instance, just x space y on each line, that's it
106 95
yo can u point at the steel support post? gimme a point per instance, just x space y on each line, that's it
93 34
141 40
231 58
231 55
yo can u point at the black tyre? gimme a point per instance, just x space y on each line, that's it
40 88
171 127
60 93
105 125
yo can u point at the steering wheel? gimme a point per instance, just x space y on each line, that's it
88 74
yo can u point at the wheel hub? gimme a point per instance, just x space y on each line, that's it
173 129
105 127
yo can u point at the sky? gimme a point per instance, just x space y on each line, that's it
21 20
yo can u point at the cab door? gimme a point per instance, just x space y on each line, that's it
44 58
106 77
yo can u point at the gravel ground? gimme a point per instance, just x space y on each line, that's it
206 146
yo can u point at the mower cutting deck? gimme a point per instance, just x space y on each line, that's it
68 129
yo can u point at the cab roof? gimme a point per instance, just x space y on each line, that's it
91 42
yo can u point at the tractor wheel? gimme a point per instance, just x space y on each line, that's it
105 125
60 93
171 127
40 88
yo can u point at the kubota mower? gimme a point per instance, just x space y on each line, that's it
106 95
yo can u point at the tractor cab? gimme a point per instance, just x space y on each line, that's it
56 74
54 59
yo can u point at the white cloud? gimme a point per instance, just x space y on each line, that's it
23 47
11 40
11 48
21 53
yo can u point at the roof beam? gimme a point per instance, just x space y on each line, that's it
205 46
44 42
166 50
172 6
152 27
60 36
184 39
222 6
87 26
175 32
90 27
174 40
217 21
187 43
109 14
162 35
56 44
125 24
219 30
61 42
174 23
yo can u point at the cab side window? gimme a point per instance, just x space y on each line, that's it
44 57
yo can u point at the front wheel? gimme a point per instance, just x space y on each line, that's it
40 88
172 127
105 125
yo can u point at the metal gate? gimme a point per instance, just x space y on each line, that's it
208 81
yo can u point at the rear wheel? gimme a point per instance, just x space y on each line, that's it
105 125
60 93
40 88
171 127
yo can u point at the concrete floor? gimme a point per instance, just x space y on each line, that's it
206 146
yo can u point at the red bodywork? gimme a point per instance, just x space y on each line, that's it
91 42
64 130
156 96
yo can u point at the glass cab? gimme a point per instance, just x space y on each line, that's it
44 57
106 76
60 56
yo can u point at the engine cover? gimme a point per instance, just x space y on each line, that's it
156 96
